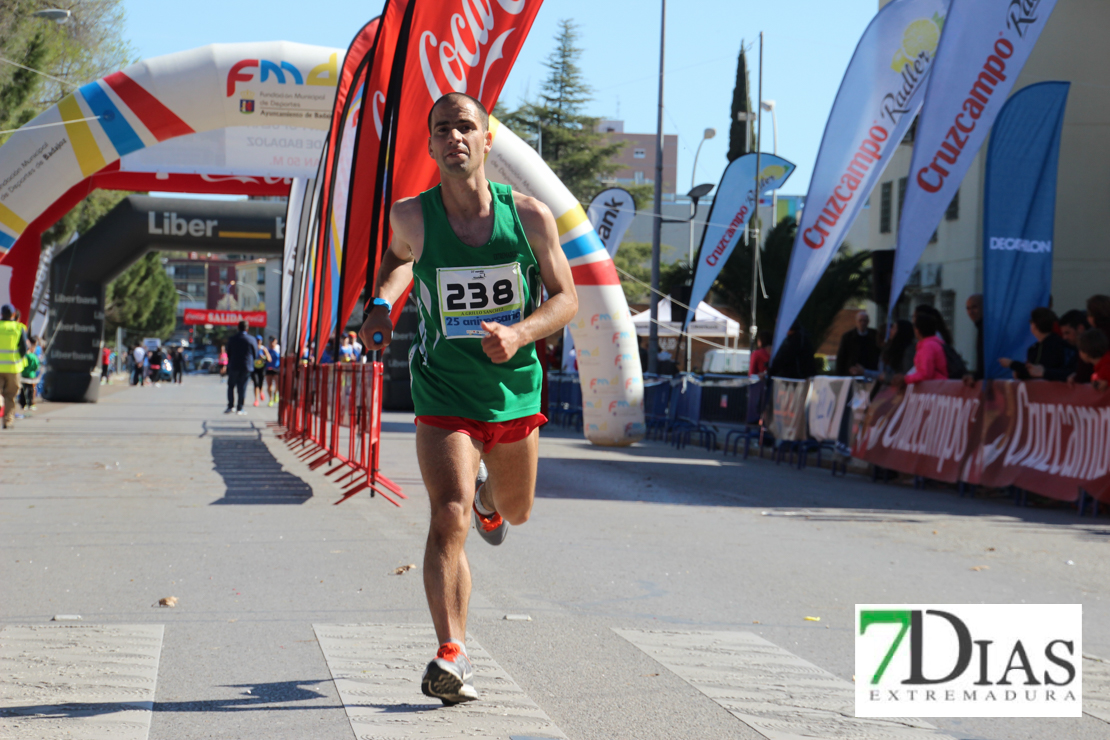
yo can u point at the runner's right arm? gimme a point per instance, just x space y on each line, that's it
395 273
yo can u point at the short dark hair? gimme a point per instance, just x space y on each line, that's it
242 326
1075 319
925 323
483 114
6 313
1093 343
1098 306
1044 319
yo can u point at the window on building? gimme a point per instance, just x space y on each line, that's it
902 181
948 309
639 178
953 211
884 207
639 153
261 275
933 238
910 133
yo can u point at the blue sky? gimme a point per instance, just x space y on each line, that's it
807 46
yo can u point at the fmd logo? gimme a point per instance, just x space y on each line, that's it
969 660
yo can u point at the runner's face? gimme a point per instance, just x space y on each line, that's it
458 142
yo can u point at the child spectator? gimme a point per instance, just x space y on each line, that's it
1048 353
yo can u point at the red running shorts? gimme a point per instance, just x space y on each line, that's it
489 433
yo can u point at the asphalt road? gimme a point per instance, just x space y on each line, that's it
107 508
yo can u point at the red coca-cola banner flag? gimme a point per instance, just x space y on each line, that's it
1049 438
224 318
932 429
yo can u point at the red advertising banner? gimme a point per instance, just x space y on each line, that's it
931 429
1049 438
224 318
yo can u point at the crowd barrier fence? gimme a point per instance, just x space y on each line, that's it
1047 438
332 414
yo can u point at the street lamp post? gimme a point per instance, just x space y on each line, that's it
708 134
657 210
769 105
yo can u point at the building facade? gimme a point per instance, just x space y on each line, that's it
637 158
951 269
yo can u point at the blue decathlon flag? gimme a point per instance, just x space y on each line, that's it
1019 208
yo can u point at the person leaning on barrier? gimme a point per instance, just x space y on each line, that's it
893 357
795 358
1049 352
761 358
13 346
1095 349
929 361
859 348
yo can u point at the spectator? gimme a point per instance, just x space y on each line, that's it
105 360
1093 349
1050 352
241 351
859 348
1098 313
761 358
258 373
178 358
929 362
28 379
893 358
13 346
222 364
957 368
666 364
355 344
273 366
795 357
974 308
138 354
346 350
156 358
1072 325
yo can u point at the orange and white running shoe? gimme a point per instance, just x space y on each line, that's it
447 678
491 527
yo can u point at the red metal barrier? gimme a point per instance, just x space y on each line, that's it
333 415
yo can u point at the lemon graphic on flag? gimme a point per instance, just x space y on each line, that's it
772 171
922 35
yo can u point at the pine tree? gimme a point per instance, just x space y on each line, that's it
571 146
740 140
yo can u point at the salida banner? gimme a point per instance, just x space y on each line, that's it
224 318
1049 438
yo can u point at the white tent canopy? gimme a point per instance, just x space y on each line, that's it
708 322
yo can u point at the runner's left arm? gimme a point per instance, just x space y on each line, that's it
501 341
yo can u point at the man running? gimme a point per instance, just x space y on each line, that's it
478 253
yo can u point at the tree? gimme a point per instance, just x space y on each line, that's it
847 278
142 300
740 139
88 46
572 147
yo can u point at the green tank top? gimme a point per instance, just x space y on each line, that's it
457 287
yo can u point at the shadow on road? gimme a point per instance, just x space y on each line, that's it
250 471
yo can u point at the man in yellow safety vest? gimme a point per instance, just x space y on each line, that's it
13 345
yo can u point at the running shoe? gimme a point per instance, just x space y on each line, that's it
241 412
256 402
491 527
271 403
229 410
447 678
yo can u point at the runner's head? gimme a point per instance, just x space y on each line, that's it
459 136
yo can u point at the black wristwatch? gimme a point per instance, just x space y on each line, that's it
374 304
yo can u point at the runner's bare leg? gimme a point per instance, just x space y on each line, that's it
449 465
511 487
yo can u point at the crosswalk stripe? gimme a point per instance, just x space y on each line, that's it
1096 687
79 682
377 669
773 691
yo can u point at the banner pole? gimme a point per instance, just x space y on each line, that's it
755 195
657 211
